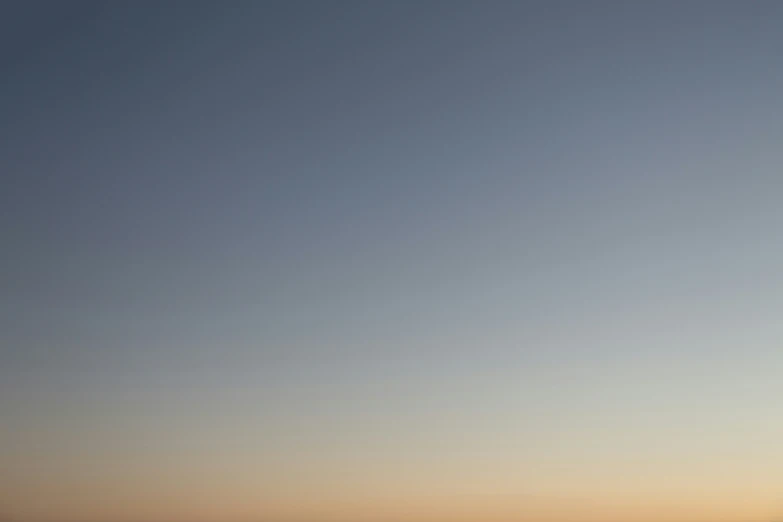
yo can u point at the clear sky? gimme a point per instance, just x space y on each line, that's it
404 261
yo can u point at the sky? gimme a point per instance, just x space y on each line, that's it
439 261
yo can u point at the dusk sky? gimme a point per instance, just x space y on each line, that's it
391 261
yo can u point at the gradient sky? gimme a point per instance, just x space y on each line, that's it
391 261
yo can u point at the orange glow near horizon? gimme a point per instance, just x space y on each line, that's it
350 503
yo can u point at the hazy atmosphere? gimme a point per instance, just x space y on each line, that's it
391 261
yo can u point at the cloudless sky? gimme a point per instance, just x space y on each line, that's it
411 261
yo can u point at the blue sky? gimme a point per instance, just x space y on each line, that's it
552 227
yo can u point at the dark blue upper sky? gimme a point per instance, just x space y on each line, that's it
333 194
